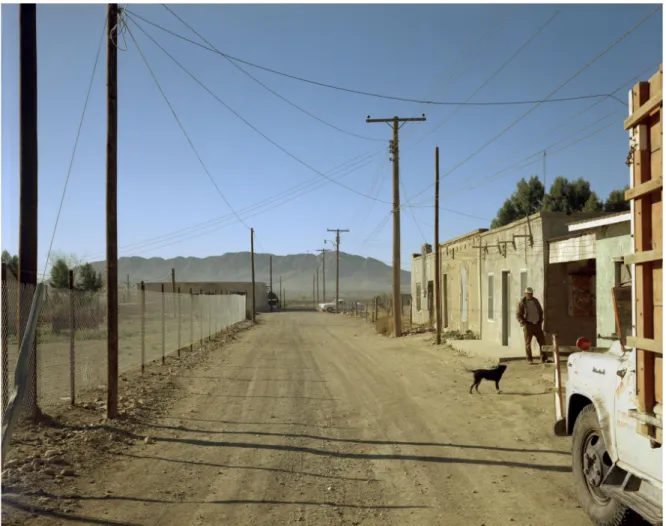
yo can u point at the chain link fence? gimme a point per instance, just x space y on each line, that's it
71 335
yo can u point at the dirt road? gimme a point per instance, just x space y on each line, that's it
313 418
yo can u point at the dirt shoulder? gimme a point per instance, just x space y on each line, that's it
313 418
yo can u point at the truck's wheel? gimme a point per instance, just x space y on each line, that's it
590 463
330 309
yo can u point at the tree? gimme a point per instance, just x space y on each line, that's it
59 276
526 200
89 280
616 201
11 261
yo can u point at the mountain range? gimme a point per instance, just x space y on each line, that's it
358 275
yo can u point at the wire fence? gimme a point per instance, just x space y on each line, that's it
71 339
378 311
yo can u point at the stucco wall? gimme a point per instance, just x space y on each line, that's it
524 257
613 241
456 257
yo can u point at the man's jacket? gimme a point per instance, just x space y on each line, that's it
521 312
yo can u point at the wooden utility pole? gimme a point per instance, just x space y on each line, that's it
317 274
397 123
254 310
281 292
438 299
270 270
314 296
112 209
337 264
323 273
28 183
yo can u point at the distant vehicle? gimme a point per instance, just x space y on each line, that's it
330 306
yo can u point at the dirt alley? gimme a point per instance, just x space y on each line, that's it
313 418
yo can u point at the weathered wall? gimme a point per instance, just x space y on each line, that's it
460 304
613 241
513 259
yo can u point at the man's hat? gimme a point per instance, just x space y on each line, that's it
529 290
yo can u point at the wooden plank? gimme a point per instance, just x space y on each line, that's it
658 300
642 242
644 111
645 344
658 380
645 188
641 258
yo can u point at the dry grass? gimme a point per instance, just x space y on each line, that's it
384 324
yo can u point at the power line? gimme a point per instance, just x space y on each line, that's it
484 146
180 124
496 72
360 92
76 143
216 223
278 146
306 112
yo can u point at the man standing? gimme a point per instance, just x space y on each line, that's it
530 317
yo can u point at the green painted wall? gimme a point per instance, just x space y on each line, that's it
613 241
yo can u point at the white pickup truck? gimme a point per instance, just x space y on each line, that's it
614 399
330 306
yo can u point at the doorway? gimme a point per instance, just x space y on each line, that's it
431 302
445 302
506 307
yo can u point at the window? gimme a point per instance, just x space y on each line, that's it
491 297
622 274
418 297
523 282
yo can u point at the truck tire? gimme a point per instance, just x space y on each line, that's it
587 454
330 309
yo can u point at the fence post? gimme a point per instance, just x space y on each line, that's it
179 321
201 317
376 307
72 335
191 319
210 311
163 327
143 327
5 337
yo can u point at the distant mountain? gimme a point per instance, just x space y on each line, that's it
358 275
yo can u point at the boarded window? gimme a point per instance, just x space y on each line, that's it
491 297
418 296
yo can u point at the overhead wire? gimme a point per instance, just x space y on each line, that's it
278 95
361 92
76 143
523 116
217 223
257 130
494 74
182 128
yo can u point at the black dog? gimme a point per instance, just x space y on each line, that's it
493 375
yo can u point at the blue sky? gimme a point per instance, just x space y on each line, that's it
440 52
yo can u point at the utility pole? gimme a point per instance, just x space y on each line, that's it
254 310
28 182
314 298
323 273
281 292
438 299
317 273
129 294
112 209
545 190
337 264
270 270
394 149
